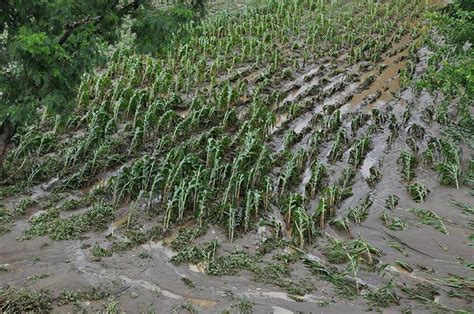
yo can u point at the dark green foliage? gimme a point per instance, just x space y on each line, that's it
418 192
47 47
374 176
242 306
186 236
99 251
50 223
154 29
231 264
5 215
456 21
188 282
5 219
392 201
195 255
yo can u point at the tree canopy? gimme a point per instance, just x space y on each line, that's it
46 46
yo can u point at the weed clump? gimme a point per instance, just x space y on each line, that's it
13 300
50 223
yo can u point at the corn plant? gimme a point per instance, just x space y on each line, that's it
291 170
408 161
359 150
417 131
378 117
338 145
449 173
359 213
374 176
449 165
319 174
322 212
392 222
290 138
391 202
418 192
357 122
406 117
300 223
430 218
232 222
331 123
347 178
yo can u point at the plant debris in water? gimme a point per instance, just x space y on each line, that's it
278 143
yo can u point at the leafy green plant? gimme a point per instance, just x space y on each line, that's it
430 218
408 161
392 222
195 255
319 174
300 223
339 252
450 173
418 192
99 251
392 201
338 145
374 176
347 178
384 296
50 223
359 213
359 150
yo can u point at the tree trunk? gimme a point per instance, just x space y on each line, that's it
7 130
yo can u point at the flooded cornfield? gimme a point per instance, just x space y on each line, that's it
294 156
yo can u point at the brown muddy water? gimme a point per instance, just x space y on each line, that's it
418 256
154 283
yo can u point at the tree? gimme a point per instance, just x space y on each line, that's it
47 45
467 5
45 48
164 23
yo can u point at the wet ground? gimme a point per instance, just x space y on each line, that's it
153 282
429 266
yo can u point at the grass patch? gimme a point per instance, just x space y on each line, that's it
50 223
384 296
195 255
99 251
21 300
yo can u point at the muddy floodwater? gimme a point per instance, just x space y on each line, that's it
156 283
378 248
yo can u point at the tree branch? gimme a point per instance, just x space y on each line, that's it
70 28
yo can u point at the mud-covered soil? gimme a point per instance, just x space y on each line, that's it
153 282
421 253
